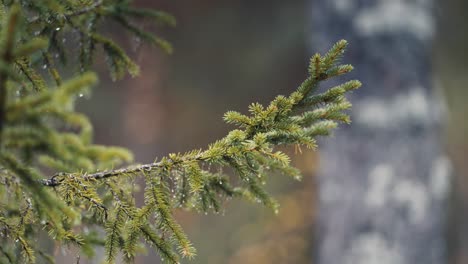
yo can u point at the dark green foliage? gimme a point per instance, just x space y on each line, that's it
41 132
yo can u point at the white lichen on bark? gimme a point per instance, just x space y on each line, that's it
372 248
414 106
440 177
395 15
383 181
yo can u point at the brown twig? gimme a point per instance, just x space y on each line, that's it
55 179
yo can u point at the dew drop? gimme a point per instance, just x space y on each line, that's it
57 28
81 95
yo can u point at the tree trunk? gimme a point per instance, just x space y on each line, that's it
384 181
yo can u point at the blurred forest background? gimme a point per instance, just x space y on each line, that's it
227 55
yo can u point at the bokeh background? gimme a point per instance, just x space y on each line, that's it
229 54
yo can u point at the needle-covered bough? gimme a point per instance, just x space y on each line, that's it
41 132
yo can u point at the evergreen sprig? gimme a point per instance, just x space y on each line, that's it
41 132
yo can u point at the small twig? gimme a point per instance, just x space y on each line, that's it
51 68
75 13
55 179
86 9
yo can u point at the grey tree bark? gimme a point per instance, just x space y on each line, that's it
384 181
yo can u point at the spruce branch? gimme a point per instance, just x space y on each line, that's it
42 132
250 150
306 121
